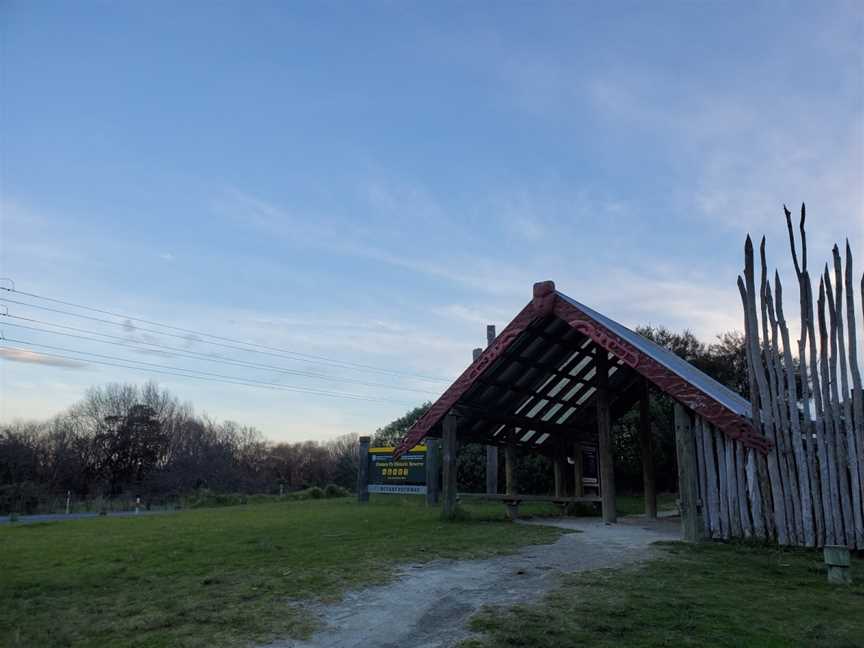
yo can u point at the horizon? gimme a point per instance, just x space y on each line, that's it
374 186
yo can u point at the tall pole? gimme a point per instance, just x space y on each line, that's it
604 436
491 450
646 443
451 426
433 473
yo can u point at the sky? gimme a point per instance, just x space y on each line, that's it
373 183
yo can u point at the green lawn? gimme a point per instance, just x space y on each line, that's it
635 504
705 595
220 576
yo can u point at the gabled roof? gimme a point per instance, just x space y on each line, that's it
535 385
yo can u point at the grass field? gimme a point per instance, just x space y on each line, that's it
705 595
220 576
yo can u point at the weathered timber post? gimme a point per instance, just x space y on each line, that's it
558 471
646 443
433 462
510 469
451 427
578 486
604 434
491 450
688 476
363 471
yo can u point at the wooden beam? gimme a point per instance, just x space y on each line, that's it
646 444
451 427
604 437
688 476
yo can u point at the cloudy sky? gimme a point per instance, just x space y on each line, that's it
372 183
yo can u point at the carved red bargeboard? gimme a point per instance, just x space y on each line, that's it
734 426
449 398
546 302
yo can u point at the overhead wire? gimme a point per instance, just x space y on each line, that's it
194 355
182 371
288 352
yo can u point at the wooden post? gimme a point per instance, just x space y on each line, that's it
578 486
510 469
451 426
363 471
558 472
604 433
647 445
491 450
688 477
433 471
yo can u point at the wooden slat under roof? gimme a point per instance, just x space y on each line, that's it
535 385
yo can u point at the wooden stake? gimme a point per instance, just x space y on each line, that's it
703 474
762 396
712 485
857 394
840 517
801 463
491 450
688 477
851 445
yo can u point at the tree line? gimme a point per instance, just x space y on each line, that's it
128 441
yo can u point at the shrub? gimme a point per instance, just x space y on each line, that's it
315 493
332 490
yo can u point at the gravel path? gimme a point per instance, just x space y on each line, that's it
61 517
427 606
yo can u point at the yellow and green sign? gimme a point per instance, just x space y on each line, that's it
405 475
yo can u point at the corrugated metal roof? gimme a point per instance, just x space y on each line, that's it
719 392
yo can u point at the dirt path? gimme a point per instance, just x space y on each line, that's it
427 606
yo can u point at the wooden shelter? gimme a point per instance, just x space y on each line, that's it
557 377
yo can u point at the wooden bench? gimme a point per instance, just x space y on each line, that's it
512 502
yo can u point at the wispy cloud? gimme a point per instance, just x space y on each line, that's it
32 357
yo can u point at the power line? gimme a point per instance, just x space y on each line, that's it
194 355
189 373
334 363
298 354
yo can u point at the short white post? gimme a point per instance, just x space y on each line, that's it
68 501
837 561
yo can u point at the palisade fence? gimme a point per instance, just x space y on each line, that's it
807 490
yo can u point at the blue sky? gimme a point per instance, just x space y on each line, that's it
375 182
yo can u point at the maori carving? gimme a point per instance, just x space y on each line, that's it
734 426
545 303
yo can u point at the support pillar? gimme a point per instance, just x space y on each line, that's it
491 450
510 469
604 436
688 477
363 471
558 471
433 471
646 443
451 428
578 486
